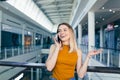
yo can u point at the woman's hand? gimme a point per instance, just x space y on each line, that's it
58 44
94 52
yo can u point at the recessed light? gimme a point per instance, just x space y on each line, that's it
96 21
113 11
110 10
103 8
116 26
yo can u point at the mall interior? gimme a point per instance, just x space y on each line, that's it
27 28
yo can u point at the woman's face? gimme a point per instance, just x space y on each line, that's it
64 33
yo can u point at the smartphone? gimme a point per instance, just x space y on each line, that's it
57 38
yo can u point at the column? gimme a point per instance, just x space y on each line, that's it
31 74
0 31
91 30
101 41
34 40
42 41
91 35
79 38
37 74
79 35
23 37
101 36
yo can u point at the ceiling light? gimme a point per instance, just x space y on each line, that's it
103 19
110 10
113 11
36 38
29 33
116 25
103 8
96 22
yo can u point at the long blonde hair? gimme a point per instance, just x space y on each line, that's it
73 44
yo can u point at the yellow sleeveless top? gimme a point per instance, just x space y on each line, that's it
65 65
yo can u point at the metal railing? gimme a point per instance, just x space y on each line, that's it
109 57
8 52
37 71
40 70
42 65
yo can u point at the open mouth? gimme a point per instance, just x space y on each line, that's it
62 37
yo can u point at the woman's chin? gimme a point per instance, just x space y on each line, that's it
64 40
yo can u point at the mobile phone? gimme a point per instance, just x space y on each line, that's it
57 38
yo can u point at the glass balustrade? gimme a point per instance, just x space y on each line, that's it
8 52
38 71
108 57
101 76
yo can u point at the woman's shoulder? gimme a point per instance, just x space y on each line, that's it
52 46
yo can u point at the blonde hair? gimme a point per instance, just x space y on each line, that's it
73 44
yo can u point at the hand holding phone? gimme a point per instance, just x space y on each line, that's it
57 41
57 38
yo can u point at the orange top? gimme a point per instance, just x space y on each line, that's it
65 65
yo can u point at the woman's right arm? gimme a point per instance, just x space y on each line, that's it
51 61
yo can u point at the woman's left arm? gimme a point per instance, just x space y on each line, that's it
81 69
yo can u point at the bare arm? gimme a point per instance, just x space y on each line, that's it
82 69
51 61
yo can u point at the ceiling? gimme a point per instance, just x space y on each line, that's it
107 13
60 11
57 11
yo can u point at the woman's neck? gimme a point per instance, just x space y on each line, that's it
65 43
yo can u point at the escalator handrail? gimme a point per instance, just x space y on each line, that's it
98 69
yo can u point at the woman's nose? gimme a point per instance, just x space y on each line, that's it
61 32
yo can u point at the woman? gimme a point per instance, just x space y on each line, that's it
65 56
